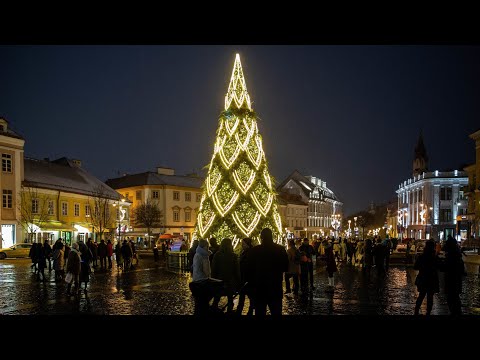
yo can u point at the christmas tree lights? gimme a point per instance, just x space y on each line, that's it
238 199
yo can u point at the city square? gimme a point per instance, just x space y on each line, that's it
238 204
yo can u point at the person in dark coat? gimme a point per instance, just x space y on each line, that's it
225 267
245 289
41 261
102 254
32 254
331 265
454 269
306 266
191 254
266 264
293 267
213 248
74 267
86 257
427 278
127 255
47 249
379 254
109 253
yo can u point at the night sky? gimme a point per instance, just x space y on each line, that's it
350 115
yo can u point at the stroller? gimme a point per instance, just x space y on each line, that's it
205 290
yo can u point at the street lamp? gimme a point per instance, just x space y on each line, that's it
336 223
306 234
349 229
120 217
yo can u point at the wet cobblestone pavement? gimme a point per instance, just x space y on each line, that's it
151 290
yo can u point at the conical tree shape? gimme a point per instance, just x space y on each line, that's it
238 199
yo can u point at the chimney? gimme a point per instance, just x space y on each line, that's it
77 162
165 170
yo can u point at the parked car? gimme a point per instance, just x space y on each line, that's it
16 250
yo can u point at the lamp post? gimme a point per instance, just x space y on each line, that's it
349 229
306 234
336 223
120 217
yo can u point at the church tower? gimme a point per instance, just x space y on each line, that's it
420 160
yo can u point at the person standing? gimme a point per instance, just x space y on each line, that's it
109 253
266 265
293 267
331 266
86 258
48 254
306 266
245 289
58 261
191 255
427 278
201 262
74 267
454 269
102 254
41 261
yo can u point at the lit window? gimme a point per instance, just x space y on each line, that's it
64 209
87 210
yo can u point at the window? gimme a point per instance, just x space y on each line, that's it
176 215
7 163
50 207
138 195
420 195
188 196
64 209
87 210
76 210
199 197
155 194
34 206
445 215
7 199
176 195
445 193
188 216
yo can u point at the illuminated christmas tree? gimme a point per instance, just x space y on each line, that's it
238 199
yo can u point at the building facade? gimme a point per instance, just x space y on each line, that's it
429 202
11 176
294 214
177 197
471 221
325 210
59 199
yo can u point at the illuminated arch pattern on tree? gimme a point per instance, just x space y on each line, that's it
238 198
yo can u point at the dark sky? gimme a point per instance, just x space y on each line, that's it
350 115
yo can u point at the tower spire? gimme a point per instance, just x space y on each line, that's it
237 89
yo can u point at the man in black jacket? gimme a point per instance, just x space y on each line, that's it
266 264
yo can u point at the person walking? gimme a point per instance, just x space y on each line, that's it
266 265
118 256
102 254
86 258
48 254
427 277
41 261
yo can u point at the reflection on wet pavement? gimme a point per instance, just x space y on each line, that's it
151 290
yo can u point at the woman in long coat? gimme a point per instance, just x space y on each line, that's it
427 278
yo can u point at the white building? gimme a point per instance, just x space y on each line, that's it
325 210
428 203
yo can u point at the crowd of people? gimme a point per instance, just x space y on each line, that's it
76 264
259 271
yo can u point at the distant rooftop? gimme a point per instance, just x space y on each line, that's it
154 178
65 175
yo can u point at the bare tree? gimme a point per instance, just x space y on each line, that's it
147 215
34 210
101 216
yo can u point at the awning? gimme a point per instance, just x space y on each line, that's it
56 226
166 236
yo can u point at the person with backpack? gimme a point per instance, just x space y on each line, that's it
293 267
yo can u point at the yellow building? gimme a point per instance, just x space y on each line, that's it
59 199
177 197
293 212
472 218
11 146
